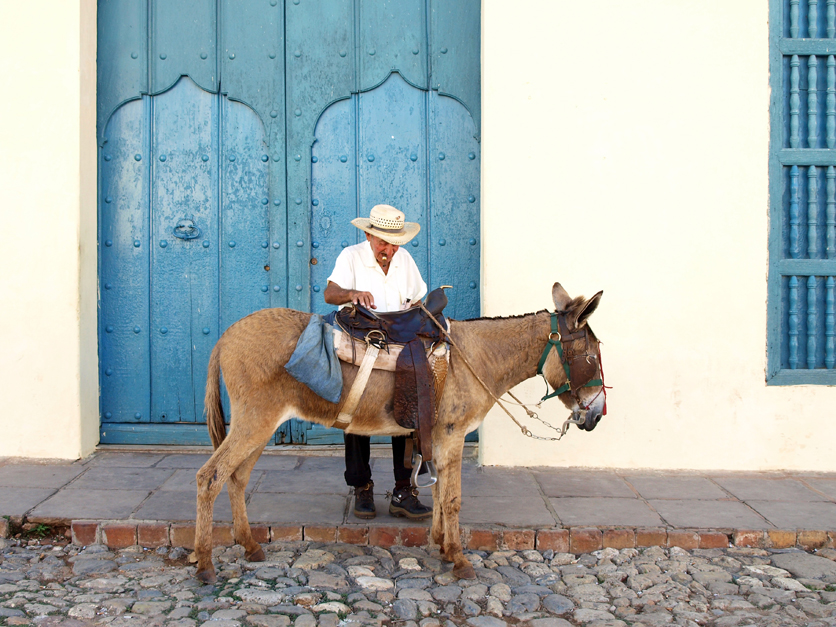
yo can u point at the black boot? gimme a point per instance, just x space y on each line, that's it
364 501
405 503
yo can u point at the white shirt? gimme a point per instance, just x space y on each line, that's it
357 269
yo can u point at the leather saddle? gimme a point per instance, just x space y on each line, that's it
395 327
418 387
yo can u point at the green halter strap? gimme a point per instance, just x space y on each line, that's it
558 344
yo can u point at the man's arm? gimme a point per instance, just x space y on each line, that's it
416 287
335 295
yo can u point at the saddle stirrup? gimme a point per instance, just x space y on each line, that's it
417 461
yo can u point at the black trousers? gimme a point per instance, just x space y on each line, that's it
357 470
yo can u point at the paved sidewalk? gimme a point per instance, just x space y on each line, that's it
291 492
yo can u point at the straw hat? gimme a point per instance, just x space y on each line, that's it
388 224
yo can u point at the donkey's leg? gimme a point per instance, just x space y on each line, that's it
437 528
235 449
210 480
237 494
449 458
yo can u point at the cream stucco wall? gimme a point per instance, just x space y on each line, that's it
625 149
48 360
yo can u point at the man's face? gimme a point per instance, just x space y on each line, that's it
383 251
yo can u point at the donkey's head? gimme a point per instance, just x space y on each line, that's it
572 363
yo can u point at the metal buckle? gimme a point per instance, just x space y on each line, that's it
376 338
417 460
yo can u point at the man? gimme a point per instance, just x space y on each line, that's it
381 276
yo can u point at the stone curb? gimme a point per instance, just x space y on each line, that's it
153 534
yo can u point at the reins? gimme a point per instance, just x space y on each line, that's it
526 406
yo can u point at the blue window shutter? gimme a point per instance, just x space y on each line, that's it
801 345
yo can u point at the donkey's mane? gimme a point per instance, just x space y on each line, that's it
575 302
512 317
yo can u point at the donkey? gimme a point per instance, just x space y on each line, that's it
490 357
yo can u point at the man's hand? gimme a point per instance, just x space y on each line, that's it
363 298
335 295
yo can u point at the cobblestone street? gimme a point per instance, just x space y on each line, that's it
308 584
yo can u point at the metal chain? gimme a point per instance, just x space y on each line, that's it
525 430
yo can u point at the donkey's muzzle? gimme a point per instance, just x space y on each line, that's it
592 420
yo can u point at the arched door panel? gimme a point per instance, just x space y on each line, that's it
124 269
415 150
183 287
184 223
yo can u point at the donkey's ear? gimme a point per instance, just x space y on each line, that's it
587 309
560 297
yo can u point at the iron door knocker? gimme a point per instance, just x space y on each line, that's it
186 229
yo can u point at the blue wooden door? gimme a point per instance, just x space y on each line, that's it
237 141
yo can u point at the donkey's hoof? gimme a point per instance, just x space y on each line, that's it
206 576
464 572
256 556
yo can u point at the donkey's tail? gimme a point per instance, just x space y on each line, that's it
212 401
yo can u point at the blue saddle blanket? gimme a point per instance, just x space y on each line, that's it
315 362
